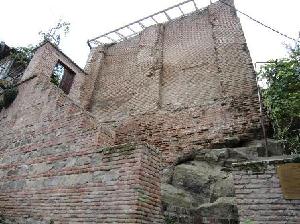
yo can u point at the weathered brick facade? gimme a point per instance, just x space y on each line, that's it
57 163
96 154
259 196
183 85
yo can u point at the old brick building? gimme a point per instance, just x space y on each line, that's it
182 85
96 154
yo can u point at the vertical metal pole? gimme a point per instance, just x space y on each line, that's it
261 115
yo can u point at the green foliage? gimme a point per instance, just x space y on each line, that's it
170 220
4 84
282 98
296 158
55 79
57 74
54 34
8 96
248 222
22 55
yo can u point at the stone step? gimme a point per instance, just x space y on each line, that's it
249 151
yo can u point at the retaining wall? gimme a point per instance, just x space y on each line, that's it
259 195
58 164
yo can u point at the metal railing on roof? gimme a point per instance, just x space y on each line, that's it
134 28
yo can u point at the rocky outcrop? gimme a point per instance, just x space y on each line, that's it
28 220
199 188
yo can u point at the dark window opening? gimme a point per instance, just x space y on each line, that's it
63 77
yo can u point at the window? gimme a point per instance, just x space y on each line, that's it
63 77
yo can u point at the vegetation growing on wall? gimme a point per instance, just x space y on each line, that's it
54 34
8 94
282 98
22 56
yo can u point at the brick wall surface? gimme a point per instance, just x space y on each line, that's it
189 74
128 82
109 185
182 85
259 196
179 132
54 164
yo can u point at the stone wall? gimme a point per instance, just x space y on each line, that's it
259 196
57 163
182 85
99 186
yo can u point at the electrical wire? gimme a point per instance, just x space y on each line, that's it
260 23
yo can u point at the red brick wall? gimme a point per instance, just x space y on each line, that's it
191 61
259 196
183 85
57 163
99 186
127 82
180 132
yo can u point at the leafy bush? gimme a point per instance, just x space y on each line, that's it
170 220
282 98
22 55
248 222
8 96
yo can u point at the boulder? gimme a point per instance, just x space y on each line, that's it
222 209
177 197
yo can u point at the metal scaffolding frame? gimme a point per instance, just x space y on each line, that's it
107 37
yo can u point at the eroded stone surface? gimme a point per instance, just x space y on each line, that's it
200 190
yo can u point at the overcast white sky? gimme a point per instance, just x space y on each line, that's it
20 22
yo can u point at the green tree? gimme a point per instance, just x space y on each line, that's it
55 33
22 56
282 98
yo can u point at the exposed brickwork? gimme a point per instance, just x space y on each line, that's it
92 67
90 187
43 64
179 86
190 75
53 164
259 196
179 132
128 82
191 86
